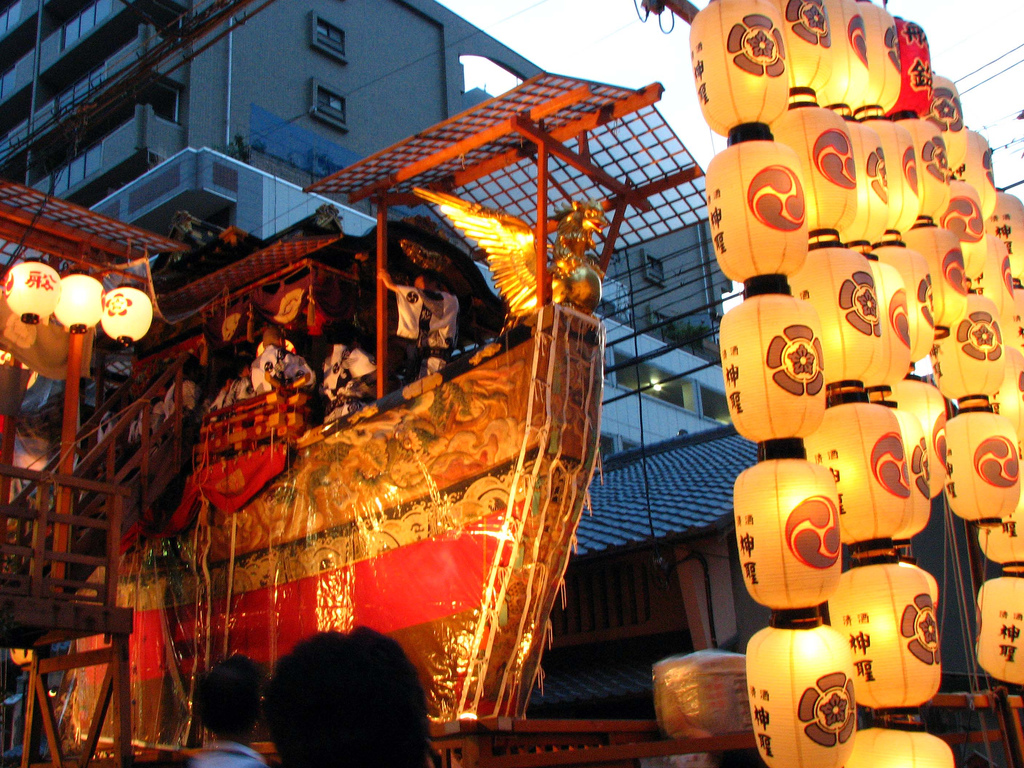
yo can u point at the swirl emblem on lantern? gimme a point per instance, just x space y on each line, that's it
828 709
995 461
919 468
979 337
910 168
918 625
777 199
795 356
834 158
936 161
757 46
809 21
812 532
953 270
963 218
857 35
858 296
876 175
924 299
889 464
899 319
892 42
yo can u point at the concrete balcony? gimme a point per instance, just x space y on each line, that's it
18 31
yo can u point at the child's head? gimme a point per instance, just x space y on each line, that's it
229 697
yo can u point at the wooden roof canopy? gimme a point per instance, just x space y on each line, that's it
65 231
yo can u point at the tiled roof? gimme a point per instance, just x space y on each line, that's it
690 482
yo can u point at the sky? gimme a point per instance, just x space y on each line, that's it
605 40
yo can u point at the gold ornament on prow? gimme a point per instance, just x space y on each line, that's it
575 274
512 256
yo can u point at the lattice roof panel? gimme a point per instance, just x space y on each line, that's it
480 155
49 225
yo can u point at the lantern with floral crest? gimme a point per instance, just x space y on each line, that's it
947 113
127 314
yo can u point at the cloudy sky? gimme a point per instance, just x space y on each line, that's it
605 40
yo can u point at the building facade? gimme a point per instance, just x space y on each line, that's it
300 88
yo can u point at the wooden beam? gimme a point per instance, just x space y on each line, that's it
613 233
470 143
533 132
670 181
685 10
644 97
382 298
541 234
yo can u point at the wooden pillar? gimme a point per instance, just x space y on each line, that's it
541 235
382 298
7 457
68 436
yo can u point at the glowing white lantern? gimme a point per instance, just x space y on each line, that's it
1000 629
917 280
1002 542
933 174
840 285
1007 223
978 171
822 143
738 58
887 613
809 48
883 51
772 365
970 360
850 76
983 466
901 173
32 290
963 218
892 303
801 686
882 748
863 446
947 113
916 446
924 401
787 529
941 251
756 209
127 314
1009 400
872 214
995 282
81 303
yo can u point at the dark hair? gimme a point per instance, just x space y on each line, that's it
348 700
229 696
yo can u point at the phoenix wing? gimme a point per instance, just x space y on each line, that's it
508 242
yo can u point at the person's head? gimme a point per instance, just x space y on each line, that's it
272 334
229 698
342 333
348 699
420 281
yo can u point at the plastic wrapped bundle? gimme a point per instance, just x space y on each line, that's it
701 694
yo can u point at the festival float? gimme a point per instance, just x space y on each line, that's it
444 512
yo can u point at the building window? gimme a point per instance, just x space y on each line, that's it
83 23
164 100
328 106
654 270
713 405
7 82
328 38
10 16
84 165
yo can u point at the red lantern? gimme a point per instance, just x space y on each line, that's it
915 70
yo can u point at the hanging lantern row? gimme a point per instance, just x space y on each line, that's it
34 291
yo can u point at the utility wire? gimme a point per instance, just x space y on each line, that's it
997 74
984 66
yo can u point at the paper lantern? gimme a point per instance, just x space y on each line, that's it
1013 333
978 171
886 612
901 174
840 285
924 401
1000 626
883 748
933 174
1007 223
883 50
772 365
916 445
1002 542
808 35
982 464
917 281
801 685
1009 400
32 290
995 282
863 446
787 529
963 218
970 360
947 113
756 209
941 251
822 143
872 212
892 304
81 303
739 63
850 77
915 70
127 314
